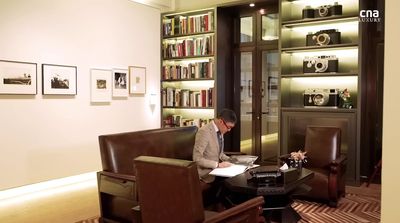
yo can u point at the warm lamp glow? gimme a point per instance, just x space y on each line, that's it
348 26
352 53
47 188
251 4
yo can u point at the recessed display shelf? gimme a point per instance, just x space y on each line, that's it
188 57
313 48
318 109
191 79
173 107
319 21
188 35
318 75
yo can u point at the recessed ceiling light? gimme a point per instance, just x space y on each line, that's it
251 4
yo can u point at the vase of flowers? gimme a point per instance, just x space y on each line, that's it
297 159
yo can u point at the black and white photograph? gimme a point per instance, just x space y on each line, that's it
59 79
17 77
100 85
120 80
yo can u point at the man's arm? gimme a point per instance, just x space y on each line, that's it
200 145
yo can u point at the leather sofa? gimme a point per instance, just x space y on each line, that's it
117 180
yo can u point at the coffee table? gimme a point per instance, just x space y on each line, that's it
277 197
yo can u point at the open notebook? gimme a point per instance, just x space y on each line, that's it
241 164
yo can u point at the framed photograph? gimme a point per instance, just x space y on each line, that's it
137 80
18 77
59 79
120 82
100 85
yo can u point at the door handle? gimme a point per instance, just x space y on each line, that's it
248 113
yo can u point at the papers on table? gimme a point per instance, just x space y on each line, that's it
231 170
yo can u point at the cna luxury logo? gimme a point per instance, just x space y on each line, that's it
369 16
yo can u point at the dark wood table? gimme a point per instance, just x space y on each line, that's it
277 197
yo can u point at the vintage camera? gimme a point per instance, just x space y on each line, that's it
328 10
321 97
323 38
322 11
320 64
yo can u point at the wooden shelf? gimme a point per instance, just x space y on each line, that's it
189 57
188 79
172 107
186 35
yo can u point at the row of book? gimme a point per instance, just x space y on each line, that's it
179 121
189 71
175 97
200 46
180 25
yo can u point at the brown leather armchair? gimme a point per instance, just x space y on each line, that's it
322 145
169 191
324 159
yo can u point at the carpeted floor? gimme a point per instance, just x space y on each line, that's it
360 205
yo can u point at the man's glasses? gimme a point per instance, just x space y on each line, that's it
229 128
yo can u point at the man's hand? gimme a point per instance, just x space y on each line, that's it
224 164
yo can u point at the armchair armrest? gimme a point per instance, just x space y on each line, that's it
251 209
120 185
339 163
117 175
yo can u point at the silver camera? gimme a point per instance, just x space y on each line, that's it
320 64
321 97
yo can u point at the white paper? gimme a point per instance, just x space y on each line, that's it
231 171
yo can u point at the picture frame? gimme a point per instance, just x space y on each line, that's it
59 79
137 80
100 85
18 77
120 83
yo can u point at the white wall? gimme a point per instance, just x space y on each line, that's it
47 137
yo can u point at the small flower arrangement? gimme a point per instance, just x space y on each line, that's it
297 159
345 99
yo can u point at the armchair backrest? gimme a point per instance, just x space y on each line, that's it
118 150
168 189
322 145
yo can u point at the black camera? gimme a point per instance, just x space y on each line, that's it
320 64
323 38
328 10
321 97
322 11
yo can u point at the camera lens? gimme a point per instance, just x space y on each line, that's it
321 65
323 39
323 11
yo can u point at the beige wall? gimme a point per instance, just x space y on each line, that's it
50 137
391 116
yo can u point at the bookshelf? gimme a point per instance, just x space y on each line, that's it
188 68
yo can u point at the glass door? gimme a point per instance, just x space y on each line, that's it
258 59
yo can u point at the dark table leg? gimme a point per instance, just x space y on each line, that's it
278 209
